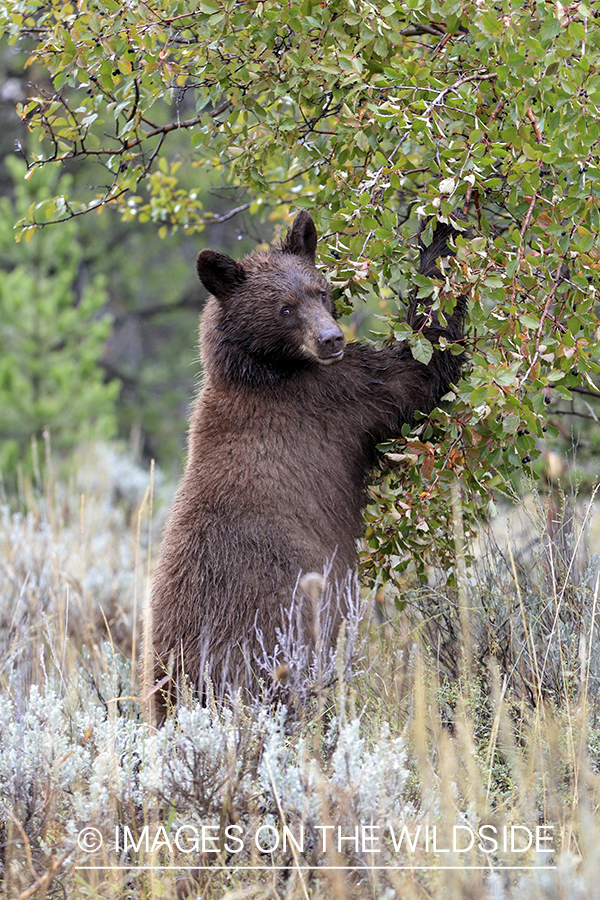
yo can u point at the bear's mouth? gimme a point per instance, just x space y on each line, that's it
321 354
333 358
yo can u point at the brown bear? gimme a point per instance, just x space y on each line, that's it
282 440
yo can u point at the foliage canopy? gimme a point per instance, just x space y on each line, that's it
373 116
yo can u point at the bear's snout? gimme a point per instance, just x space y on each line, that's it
330 343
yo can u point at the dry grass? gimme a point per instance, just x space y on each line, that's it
475 708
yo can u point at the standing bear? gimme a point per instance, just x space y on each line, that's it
282 440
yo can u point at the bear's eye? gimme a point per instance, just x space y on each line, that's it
323 296
286 311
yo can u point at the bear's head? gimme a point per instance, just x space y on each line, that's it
271 309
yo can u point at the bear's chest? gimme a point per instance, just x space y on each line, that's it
273 450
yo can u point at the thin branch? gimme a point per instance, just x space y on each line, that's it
557 280
211 220
496 111
537 132
524 228
416 30
586 391
43 882
592 413
573 412
216 220
161 130
26 843
478 76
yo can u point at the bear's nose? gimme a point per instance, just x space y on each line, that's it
330 341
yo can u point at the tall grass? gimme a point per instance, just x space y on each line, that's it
475 707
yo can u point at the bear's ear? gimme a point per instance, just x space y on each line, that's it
301 239
219 273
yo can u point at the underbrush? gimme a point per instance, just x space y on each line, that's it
453 754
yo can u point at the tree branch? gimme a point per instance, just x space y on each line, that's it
161 130
586 391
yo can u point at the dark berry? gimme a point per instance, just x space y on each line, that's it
544 428
526 459
547 400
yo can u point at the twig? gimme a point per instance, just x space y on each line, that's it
26 844
440 46
557 281
478 76
44 880
161 130
415 30
435 102
537 131
587 391
496 110
577 415
524 228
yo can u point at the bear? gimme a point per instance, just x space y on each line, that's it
282 441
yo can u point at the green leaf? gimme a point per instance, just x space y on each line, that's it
511 423
550 29
529 321
427 233
478 396
403 332
421 348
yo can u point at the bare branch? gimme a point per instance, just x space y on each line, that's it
161 130
575 413
586 391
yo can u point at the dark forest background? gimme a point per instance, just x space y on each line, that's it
124 360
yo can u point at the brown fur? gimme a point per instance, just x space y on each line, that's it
282 441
